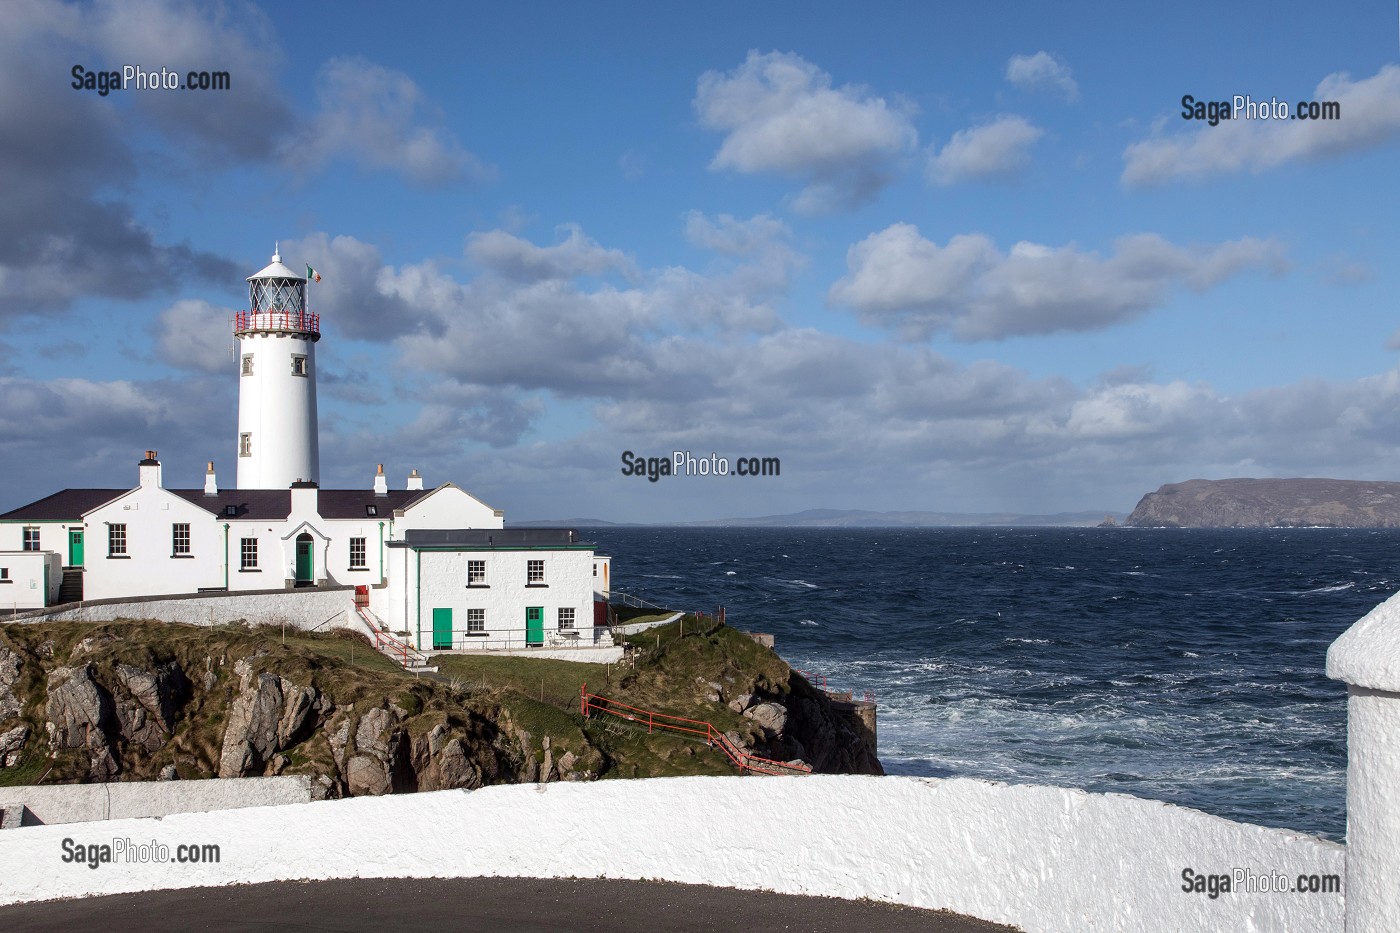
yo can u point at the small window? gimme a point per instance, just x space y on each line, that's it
5 574
595 570
298 365
566 619
248 364
357 553
534 572
231 511
371 510
248 554
31 538
476 573
180 538
245 445
476 620
116 540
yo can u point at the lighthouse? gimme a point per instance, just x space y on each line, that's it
277 434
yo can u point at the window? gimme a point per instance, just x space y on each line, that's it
248 554
31 538
248 365
180 538
231 511
595 570
116 540
298 365
476 573
4 574
534 573
245 445
357 553
476 620
566 619
371 510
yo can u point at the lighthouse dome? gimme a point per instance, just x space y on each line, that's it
276 270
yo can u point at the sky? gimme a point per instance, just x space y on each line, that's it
949 257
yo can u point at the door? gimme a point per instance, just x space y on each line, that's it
442 629
534 626
306 562
75 547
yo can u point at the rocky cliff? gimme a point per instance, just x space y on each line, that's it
147 700
1270 503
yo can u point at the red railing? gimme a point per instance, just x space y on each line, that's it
819 681
300 322
383 641
592 702
816 680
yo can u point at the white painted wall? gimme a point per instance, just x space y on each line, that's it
149 566
568 584
29 579
448 507
53 536
1367 658
50 804
279 410
318 609
1042 858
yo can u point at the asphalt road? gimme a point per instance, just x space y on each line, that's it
528 905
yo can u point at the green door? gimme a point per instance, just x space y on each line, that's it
534 626
75 547
442 629
305 561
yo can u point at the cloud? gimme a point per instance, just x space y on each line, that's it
1042 71
516 258
970 289
1370 117
195 335
781 114
997 149
378 118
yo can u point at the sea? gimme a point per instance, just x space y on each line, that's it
1177 665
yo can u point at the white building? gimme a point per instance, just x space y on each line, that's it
436 564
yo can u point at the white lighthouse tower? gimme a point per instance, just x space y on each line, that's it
277 435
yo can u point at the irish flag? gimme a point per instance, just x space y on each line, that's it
312 274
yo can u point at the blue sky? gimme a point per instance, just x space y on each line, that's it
964 259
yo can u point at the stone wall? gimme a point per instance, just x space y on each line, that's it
79 803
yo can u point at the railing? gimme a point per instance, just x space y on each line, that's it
745 761
845 696
600 637
636 602
400 651
299 322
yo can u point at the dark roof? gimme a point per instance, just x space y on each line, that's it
70 505
494 537
67 505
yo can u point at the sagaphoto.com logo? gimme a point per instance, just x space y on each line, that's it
134 77
684 463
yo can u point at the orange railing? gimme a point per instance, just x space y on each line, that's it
398 650
744 760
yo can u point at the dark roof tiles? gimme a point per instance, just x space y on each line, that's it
69 505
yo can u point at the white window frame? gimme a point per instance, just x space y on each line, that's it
566 618
31 538
360 545
179 531
476 572
245 444
248 554
534 572
247 368
476 621
116 539
299 365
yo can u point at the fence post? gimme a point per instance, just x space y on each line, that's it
1367 658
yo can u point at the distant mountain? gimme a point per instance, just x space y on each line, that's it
1270 503
570 523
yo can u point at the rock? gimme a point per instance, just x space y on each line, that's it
567 762
370 734
252 732
11 745
741 702
10 664
337 741
323 788
79 715
366 776
771 717
437 737
280 763
547 767
146 714
298 715
169 773
91 643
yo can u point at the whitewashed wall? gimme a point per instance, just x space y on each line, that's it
279 410
1041 858
32 579
149 567
319 609
51 804
568 584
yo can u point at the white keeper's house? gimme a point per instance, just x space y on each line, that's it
437 564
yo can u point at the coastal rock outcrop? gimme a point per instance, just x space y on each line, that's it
1270 503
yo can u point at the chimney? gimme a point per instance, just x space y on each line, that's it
381 485
150 471
415 481
211 486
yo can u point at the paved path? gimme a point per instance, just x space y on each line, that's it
527 905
